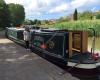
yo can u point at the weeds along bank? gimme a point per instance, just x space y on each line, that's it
81 25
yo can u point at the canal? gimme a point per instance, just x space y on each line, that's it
97 44
97 49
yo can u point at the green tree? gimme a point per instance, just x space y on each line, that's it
26 22
37 22
98 16
75 15
4 15
29 22
61 19
17 14
46 21
32 22
87 15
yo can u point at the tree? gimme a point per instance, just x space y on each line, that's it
32 22
98 16
75 15
29 22
86 15
61 19
64 19
4 15
37 22
46 21
17 14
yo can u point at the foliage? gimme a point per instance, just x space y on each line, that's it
87 15
98 16
80 25
17 14
63 19
4 15
37 22
31 22
28 22
75 15
46 21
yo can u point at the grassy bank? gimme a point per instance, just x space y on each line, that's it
80 25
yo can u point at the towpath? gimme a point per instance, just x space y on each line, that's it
16 63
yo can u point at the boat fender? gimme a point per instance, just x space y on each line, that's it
95 56
43 46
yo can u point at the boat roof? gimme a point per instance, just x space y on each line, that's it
13 28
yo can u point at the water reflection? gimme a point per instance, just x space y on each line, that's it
97 44
91 78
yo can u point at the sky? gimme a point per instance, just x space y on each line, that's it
54 9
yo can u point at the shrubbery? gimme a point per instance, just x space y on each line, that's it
81 25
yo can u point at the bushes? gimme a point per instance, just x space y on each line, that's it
81 25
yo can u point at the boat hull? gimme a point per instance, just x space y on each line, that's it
83 70
58 52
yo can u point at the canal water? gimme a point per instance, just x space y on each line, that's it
97 43
92 78
97 50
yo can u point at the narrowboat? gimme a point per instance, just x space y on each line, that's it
64 46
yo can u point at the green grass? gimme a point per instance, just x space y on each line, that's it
80 25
